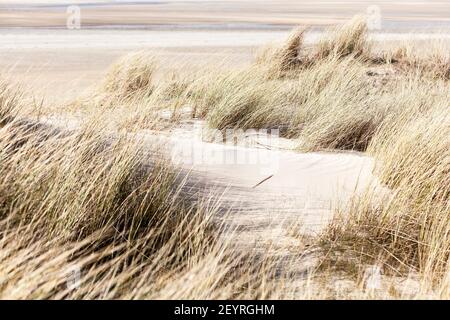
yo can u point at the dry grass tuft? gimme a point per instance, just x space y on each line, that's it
112 207
9 102
104 206
349 39
431 59
286 58
409 232
332 104
130 77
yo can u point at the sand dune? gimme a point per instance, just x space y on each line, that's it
271 199
264 189
268 188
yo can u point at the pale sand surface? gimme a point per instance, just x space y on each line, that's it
63 74
62 63
264 188
268 190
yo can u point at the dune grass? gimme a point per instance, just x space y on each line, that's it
130 76
10 100
334 95
345 40
87 215
83 201
91 215
431 58
407 233
107 207
330 96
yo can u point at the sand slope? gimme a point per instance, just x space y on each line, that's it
262 186
266 188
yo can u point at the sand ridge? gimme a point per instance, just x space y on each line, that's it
262 189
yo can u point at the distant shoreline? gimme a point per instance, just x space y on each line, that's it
388 27
248 15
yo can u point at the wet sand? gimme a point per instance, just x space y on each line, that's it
217 14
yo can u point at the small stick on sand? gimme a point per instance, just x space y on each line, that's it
265 179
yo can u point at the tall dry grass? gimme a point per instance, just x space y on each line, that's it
429 58
105 205
330 96
112 207
10 100
89 215
406 232
342 41
130 76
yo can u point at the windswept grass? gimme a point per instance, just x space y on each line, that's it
330 96
287 58
84 215
10 99
348 39
335 95
91 214
409 232
130 77
430 58
104 206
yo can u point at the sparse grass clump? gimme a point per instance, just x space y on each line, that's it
287 58
348 39
130 77
431 59
10 99
113 208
